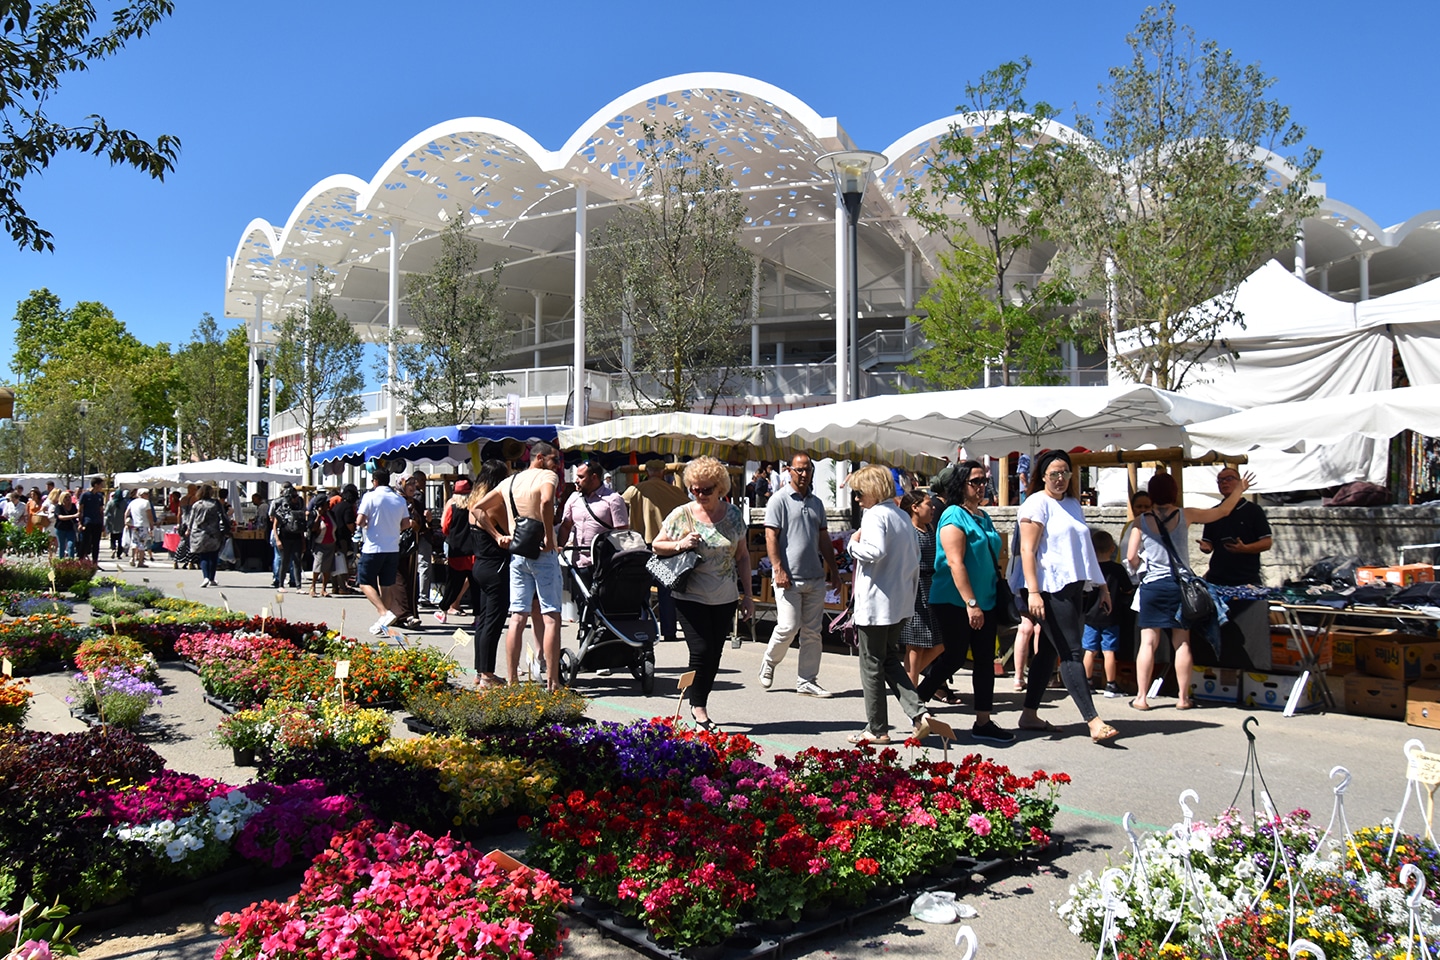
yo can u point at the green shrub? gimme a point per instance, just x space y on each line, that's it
528 706
112 605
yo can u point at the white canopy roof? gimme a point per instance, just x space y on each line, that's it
1297 428
998 419
205 471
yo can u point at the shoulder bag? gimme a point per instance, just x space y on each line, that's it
673 572
1196 604
529 534
1006 612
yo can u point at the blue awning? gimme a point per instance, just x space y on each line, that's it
436 443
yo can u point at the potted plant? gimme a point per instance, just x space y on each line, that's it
241 732
15 694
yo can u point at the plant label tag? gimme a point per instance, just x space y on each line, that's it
264 613
114 627
397 635
461 637
342 669
180 587
1425 767
279 598
686 678
504 861
6 668
51 573
942 729
224 600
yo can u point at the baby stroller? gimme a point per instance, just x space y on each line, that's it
617 628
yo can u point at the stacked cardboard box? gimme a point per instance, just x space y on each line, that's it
1389 670
1402 574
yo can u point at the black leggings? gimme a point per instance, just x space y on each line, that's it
707 627
455 580
960 640
490 595
1063 637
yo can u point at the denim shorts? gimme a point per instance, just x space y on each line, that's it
1101 638
377 569
529 577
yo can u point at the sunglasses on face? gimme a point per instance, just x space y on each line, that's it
977 481
702 491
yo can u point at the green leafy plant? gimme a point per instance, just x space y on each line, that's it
527 706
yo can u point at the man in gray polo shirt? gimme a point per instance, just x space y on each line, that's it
803 561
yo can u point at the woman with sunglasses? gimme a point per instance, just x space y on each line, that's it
706 606
1057 568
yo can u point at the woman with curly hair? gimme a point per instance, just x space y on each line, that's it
706 605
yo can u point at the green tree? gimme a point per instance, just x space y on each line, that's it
986 190
317 359
671 278
212 396
1175 199
85 354
40 45
460 335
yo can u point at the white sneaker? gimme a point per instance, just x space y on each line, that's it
767 674
385 620
809 688
204 584
377 628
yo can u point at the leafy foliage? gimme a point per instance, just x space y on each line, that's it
461 336
211 372
993 176
670 278
1173 196
317 359
41 44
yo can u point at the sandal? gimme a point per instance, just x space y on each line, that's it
865 736
1186 706
1135 705
707 724
1106 732
946 695
1044 726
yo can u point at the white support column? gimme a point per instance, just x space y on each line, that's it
755 313
754 343
779 352
909 280
392 325
1364 276
535 358
780 291
1325 280
842 307
1300 252
581 407
252 407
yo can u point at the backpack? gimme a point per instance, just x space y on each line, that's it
292 520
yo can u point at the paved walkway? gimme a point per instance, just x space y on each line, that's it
1158 755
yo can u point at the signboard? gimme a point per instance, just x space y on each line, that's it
260 444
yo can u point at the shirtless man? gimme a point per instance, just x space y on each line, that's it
531 493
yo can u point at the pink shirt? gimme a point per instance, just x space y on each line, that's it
608 506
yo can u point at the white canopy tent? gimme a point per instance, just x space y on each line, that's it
204 471
997 419
1298 428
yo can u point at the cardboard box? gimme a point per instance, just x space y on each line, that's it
1215 684
1285 649
1276 691
1422 704
1381 697
767 591
1402 574
1399 656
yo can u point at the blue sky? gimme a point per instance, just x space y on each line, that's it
269 97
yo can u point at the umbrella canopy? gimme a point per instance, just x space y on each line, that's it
1122 416
679 434
1300 426
461 442
209 471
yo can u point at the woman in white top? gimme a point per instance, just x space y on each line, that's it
886 550
1057 568
1159 590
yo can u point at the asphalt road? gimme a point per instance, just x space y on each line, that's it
1158 755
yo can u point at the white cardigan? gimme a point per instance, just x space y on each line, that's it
887 566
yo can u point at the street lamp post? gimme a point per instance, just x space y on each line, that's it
851 170
82 408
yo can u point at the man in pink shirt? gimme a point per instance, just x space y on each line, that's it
593 509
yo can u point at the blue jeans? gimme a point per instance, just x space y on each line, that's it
66 541
207 561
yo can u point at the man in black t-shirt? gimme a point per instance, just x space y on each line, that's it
92 519
1236 542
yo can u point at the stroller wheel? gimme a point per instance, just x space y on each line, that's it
645 673
569 667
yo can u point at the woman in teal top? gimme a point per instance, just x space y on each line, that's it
963 595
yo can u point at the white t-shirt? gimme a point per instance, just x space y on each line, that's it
1065 553
383 510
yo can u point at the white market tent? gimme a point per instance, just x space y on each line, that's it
1299 344
1299 427
996 419
204 471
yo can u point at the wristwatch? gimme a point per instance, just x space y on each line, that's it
972 603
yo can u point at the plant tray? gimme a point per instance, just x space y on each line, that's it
752 942
224 706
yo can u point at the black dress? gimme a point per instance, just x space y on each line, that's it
917 631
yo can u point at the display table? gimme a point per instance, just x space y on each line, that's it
1300 619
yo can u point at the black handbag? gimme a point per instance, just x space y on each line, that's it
1006 613
529 534
1196 604
672 572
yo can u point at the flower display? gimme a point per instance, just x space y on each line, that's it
1253 886
525 706
41 638
118 694
691 858
281 727
196 844
26 603
109 650
297 823
401 893
477 784
15 694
